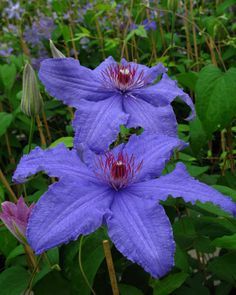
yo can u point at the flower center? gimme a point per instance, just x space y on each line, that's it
118 171
123 77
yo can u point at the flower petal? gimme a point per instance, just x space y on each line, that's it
57 162
68 209
163 93
23 210
142 232
67 80
153 150
97 124
180 184
160 120
104 65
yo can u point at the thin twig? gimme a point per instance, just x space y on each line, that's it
7 186
110 266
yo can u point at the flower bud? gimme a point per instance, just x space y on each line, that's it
31 102
55 52
15 217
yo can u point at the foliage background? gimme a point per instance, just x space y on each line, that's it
196 41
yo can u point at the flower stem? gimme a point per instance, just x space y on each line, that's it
41 134
31 132
34 272
81 267
31 258
110 266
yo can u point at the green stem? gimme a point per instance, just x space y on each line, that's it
81 267
34 272
172 34
31 133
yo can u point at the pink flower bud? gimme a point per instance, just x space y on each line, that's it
15 217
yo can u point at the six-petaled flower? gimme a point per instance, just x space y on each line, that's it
122 190
111 95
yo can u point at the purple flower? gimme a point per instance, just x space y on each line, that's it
6 51
39 31
14 11
111 95
149 25
118 189
15 217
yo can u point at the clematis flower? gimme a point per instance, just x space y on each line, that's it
118 189
15 217
111 95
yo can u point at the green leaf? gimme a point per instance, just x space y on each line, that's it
19 250
203 244
5 121
224 267
7 241
13 281
169 284
221 8
196 170
211 208
128 290
8 75
216 97
53 283
139 31
198 136
228 242
181 259
188 79
68 141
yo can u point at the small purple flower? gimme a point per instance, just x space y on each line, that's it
149 25
40 30
15 217
5 51
133 26
118 189
14 11
111 95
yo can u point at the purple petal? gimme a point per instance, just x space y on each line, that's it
156 119
97 124
163 93
68 209
180 184
22 210
153 150
9 208
104 65
11 224
67 80
56 162
142 232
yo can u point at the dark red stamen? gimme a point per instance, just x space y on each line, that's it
117 171
123 77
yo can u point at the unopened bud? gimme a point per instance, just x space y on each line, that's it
172 5
31 102
55 52
15 217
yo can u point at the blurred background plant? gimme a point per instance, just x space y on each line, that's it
196 41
